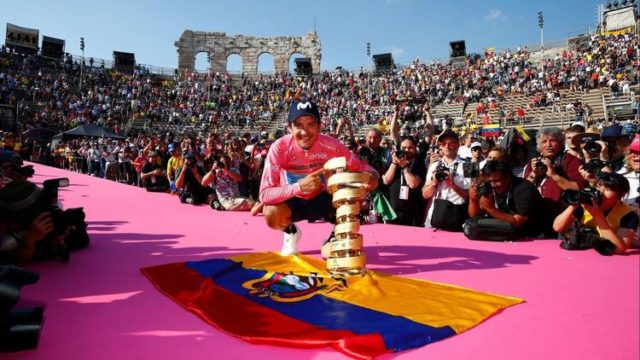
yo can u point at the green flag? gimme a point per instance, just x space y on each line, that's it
383 207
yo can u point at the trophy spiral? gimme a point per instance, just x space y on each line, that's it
344 252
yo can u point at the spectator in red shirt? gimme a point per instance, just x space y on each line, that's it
553 171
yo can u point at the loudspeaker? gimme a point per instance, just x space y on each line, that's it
458 48
123 61
52 48
303 66
383 62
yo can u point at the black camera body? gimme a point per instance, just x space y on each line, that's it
594 166
583 238
400 153
484 188
189 163
540 166
441 172
575 197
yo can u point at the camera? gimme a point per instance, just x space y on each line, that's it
190 163
574 197
582 238
540 166
441 172
62 219
400 153
594 166
484 188
592 147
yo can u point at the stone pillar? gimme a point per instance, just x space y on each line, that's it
186 61
281 63
315 63
249 61
218 61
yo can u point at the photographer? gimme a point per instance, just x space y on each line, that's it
225 179
153 175
506 197
404 178
610 217
445 181
553 172
189 182
36 229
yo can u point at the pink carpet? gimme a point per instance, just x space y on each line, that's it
578 305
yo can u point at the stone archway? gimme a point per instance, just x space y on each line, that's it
219 46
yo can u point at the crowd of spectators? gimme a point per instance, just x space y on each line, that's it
211 165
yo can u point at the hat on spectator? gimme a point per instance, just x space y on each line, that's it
302 108
615 132
590 134
635 144
475 145
264 134
448 134
19 201
172 147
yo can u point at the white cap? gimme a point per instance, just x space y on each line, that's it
475 144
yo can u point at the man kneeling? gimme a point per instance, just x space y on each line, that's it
297 159
505 197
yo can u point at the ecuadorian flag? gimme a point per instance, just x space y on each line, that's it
292 301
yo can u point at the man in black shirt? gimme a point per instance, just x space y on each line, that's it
189 182
404 179
153 176
507 198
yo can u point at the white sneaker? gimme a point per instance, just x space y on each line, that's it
289 245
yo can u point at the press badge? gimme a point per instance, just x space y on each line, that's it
404 192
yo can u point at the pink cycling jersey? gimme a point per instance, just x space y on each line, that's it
287 163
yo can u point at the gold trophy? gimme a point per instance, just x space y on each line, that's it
344 253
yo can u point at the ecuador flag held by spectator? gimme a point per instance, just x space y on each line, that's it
292 301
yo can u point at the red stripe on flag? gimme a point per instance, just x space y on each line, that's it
251 321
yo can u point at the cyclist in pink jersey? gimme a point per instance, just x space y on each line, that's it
293 181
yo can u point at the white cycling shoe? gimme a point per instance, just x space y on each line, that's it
290 243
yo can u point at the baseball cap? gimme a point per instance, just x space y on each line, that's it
172 147
448 134
301 108
475 144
